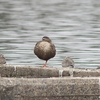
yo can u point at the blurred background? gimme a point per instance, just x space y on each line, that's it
73 26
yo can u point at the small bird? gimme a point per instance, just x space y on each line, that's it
98 67
45 49
2 59
68 62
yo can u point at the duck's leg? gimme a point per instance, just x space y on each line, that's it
45 64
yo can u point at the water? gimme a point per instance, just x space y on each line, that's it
73 26
99 87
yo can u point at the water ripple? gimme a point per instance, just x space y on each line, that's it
73 26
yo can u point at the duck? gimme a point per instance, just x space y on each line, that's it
45 50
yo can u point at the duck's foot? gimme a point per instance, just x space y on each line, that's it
44 66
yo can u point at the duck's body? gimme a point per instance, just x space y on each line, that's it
45 49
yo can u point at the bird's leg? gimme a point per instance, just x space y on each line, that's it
45 64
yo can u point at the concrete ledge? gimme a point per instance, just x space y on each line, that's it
41 72
27 71
19 82
50 88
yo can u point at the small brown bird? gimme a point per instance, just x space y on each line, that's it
45 49
2 59
68 62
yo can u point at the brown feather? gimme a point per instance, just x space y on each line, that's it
45 49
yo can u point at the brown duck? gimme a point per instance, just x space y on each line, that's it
45 49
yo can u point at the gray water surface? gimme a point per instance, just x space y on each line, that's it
73 26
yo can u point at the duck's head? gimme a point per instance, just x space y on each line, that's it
45 38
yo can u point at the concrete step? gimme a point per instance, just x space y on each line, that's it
21 82
45 72
50 88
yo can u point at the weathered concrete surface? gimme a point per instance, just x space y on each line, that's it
50 88
43 72
38 83
27 71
